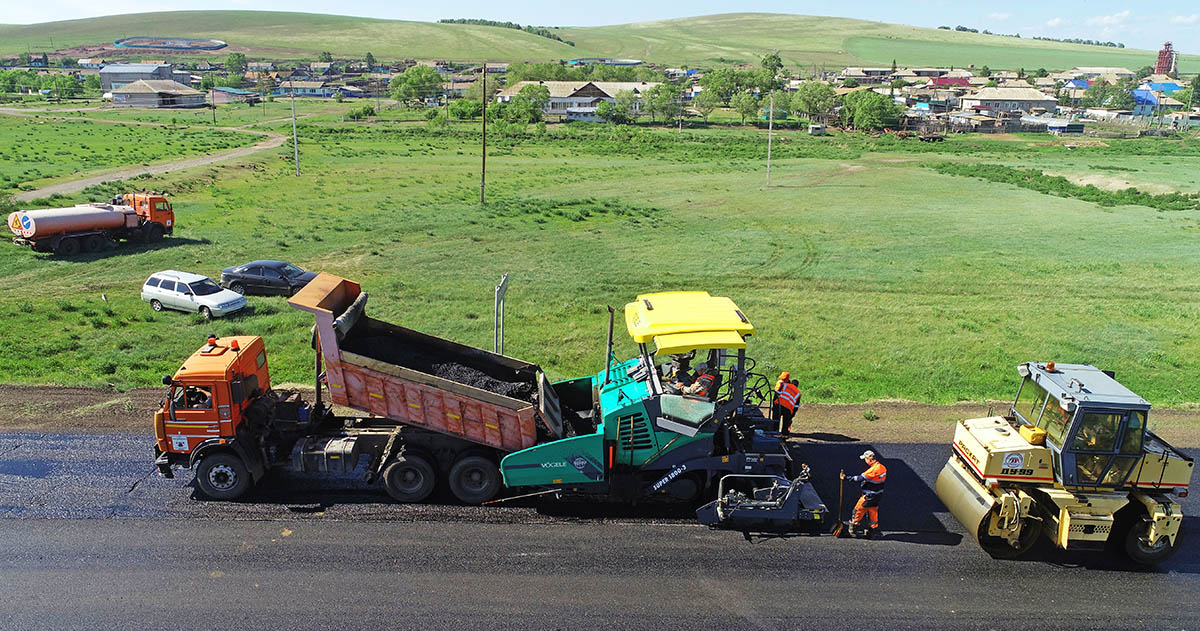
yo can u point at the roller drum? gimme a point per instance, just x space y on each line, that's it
39 224
967 499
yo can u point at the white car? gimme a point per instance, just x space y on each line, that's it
190 292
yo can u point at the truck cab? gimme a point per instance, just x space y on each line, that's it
207 410
151 207
636 436
1073 458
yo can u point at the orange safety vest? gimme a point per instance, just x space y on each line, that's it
704 382
788 396
874 477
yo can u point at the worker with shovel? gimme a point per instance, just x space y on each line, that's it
872 481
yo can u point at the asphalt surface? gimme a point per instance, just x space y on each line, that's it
90 538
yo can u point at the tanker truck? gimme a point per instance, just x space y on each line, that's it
141 217
435 413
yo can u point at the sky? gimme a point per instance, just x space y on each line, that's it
1136 25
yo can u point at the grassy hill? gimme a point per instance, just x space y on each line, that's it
717 39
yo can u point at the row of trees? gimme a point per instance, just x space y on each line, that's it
540 31
64 84
522 71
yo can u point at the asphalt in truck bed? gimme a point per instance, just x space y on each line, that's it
90 537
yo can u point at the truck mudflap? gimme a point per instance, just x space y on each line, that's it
163 462
785 506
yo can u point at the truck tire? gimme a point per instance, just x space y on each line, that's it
222 476
154 233
409 478
474 479
67 247
1147 555
93 243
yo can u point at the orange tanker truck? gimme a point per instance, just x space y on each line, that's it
142 217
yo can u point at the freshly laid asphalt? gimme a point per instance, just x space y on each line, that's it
91 538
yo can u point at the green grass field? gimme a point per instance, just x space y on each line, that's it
867 274
35 150
709 40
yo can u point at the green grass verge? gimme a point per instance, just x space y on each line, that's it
867 275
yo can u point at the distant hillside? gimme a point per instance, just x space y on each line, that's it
709 40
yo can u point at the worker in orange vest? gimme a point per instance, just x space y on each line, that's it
783 407
705 384
867 508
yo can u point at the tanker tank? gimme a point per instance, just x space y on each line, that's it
39 224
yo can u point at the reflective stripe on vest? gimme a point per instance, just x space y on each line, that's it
705 381
874 477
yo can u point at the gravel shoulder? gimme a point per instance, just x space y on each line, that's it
94 410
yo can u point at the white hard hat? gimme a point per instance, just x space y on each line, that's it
867 454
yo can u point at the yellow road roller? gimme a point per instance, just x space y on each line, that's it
1072 459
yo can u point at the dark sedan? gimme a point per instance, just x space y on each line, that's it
265 277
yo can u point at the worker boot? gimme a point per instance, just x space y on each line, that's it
853 531
871 533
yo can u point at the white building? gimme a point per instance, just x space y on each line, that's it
1009 100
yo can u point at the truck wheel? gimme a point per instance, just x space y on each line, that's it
156 305
67 247
93 243
474 480
1000 549
237 288
1142 553
222 476
154 233
408 478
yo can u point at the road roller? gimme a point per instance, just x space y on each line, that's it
1072 459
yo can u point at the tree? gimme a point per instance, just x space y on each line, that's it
985 72
865 109
526 105
991 84
234 81
612 112
629 104
264 84
705 102
815 99
92 82
746 104
722 81
893 66
1041 72
208 81
416 84
1143 72
663 102
465 108
370 61
235 63
326 57
850 82
474 91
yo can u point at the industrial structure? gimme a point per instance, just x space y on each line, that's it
1167 60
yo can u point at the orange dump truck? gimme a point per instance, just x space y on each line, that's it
144 217
436 412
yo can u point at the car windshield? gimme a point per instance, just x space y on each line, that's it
204 287
290 271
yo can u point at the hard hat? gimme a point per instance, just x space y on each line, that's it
785 375
867 454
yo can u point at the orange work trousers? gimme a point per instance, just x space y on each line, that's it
866 509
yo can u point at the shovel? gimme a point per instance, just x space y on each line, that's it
839 528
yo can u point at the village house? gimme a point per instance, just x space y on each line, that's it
303 88
1093 72
1008 100
578 100
157 93
114 76
93 63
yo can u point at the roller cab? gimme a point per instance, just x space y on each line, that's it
1073 458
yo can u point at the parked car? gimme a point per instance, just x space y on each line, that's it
184 291
265 277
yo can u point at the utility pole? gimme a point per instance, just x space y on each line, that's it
483 162
295 142
212 95
770 131
446 98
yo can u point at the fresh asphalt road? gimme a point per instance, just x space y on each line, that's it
90 539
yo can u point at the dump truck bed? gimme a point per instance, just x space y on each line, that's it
418 379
